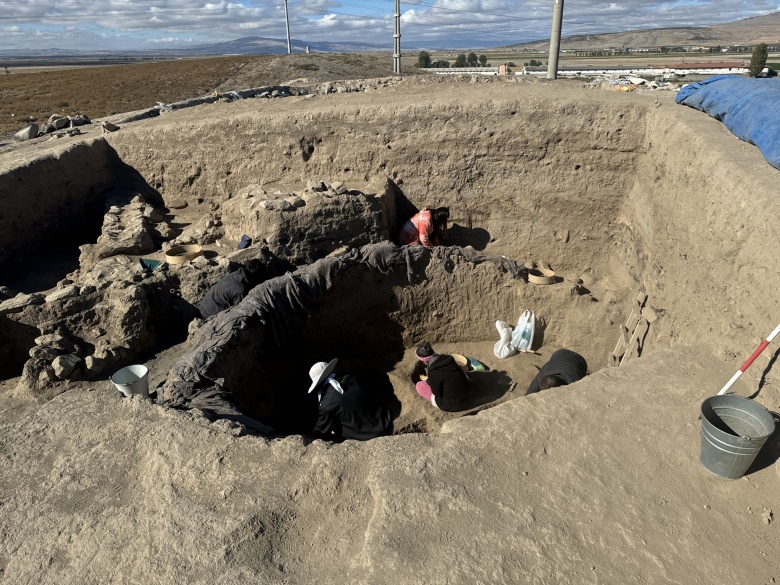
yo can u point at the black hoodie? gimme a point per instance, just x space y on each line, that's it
563 364
453 391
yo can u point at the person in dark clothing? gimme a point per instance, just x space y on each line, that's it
346 409
564 367
447 386
231 290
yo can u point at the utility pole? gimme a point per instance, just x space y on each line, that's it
555 40
287 24
397 39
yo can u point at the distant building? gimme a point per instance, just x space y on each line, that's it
734 68
463 70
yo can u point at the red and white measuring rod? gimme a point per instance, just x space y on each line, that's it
750 360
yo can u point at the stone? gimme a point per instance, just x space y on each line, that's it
59 123
109 127
31 131
55 341
79 120
19 302
153 214
46 375
65 292
43 353
317 228
64 365
253 190
338 188
276 205
177 204
94 366
125 231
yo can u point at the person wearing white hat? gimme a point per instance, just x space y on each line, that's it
346 409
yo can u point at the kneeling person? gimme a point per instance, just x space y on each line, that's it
232 289
346 410
447 386
564 367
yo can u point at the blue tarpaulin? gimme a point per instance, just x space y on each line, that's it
748 106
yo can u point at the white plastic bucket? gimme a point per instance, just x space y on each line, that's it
132 380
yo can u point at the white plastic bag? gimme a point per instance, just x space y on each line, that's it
503 349
523 334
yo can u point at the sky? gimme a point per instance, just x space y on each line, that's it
150 24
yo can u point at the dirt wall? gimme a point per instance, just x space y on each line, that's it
543 178
702 214
53 196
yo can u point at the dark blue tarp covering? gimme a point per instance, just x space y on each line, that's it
748 106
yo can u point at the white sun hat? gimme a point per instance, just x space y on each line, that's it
320 371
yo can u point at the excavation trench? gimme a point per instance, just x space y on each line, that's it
612 191
368 307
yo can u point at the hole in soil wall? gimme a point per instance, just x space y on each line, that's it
16 341
42 269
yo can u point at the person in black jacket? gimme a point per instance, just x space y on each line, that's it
232 289
346 409
447 386
564 367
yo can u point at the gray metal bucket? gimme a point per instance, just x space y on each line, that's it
733 430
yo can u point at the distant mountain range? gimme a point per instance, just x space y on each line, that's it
242 46
745 32
749 31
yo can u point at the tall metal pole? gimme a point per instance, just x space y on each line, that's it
555 40
287 24
397 39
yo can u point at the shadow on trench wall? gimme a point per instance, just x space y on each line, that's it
51 254
354 322
16 341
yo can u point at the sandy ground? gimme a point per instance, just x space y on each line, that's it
595 483
598 482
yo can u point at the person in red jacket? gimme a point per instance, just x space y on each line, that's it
427 228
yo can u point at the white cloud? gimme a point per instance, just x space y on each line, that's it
98 23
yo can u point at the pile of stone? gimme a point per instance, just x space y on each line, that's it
115 312
111 310
129 229
271 91
68 124
629 83
356 85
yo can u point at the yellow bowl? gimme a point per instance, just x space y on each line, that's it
182 254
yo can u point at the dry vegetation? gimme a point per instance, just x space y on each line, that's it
102 91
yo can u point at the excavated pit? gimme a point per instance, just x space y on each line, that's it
610 190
